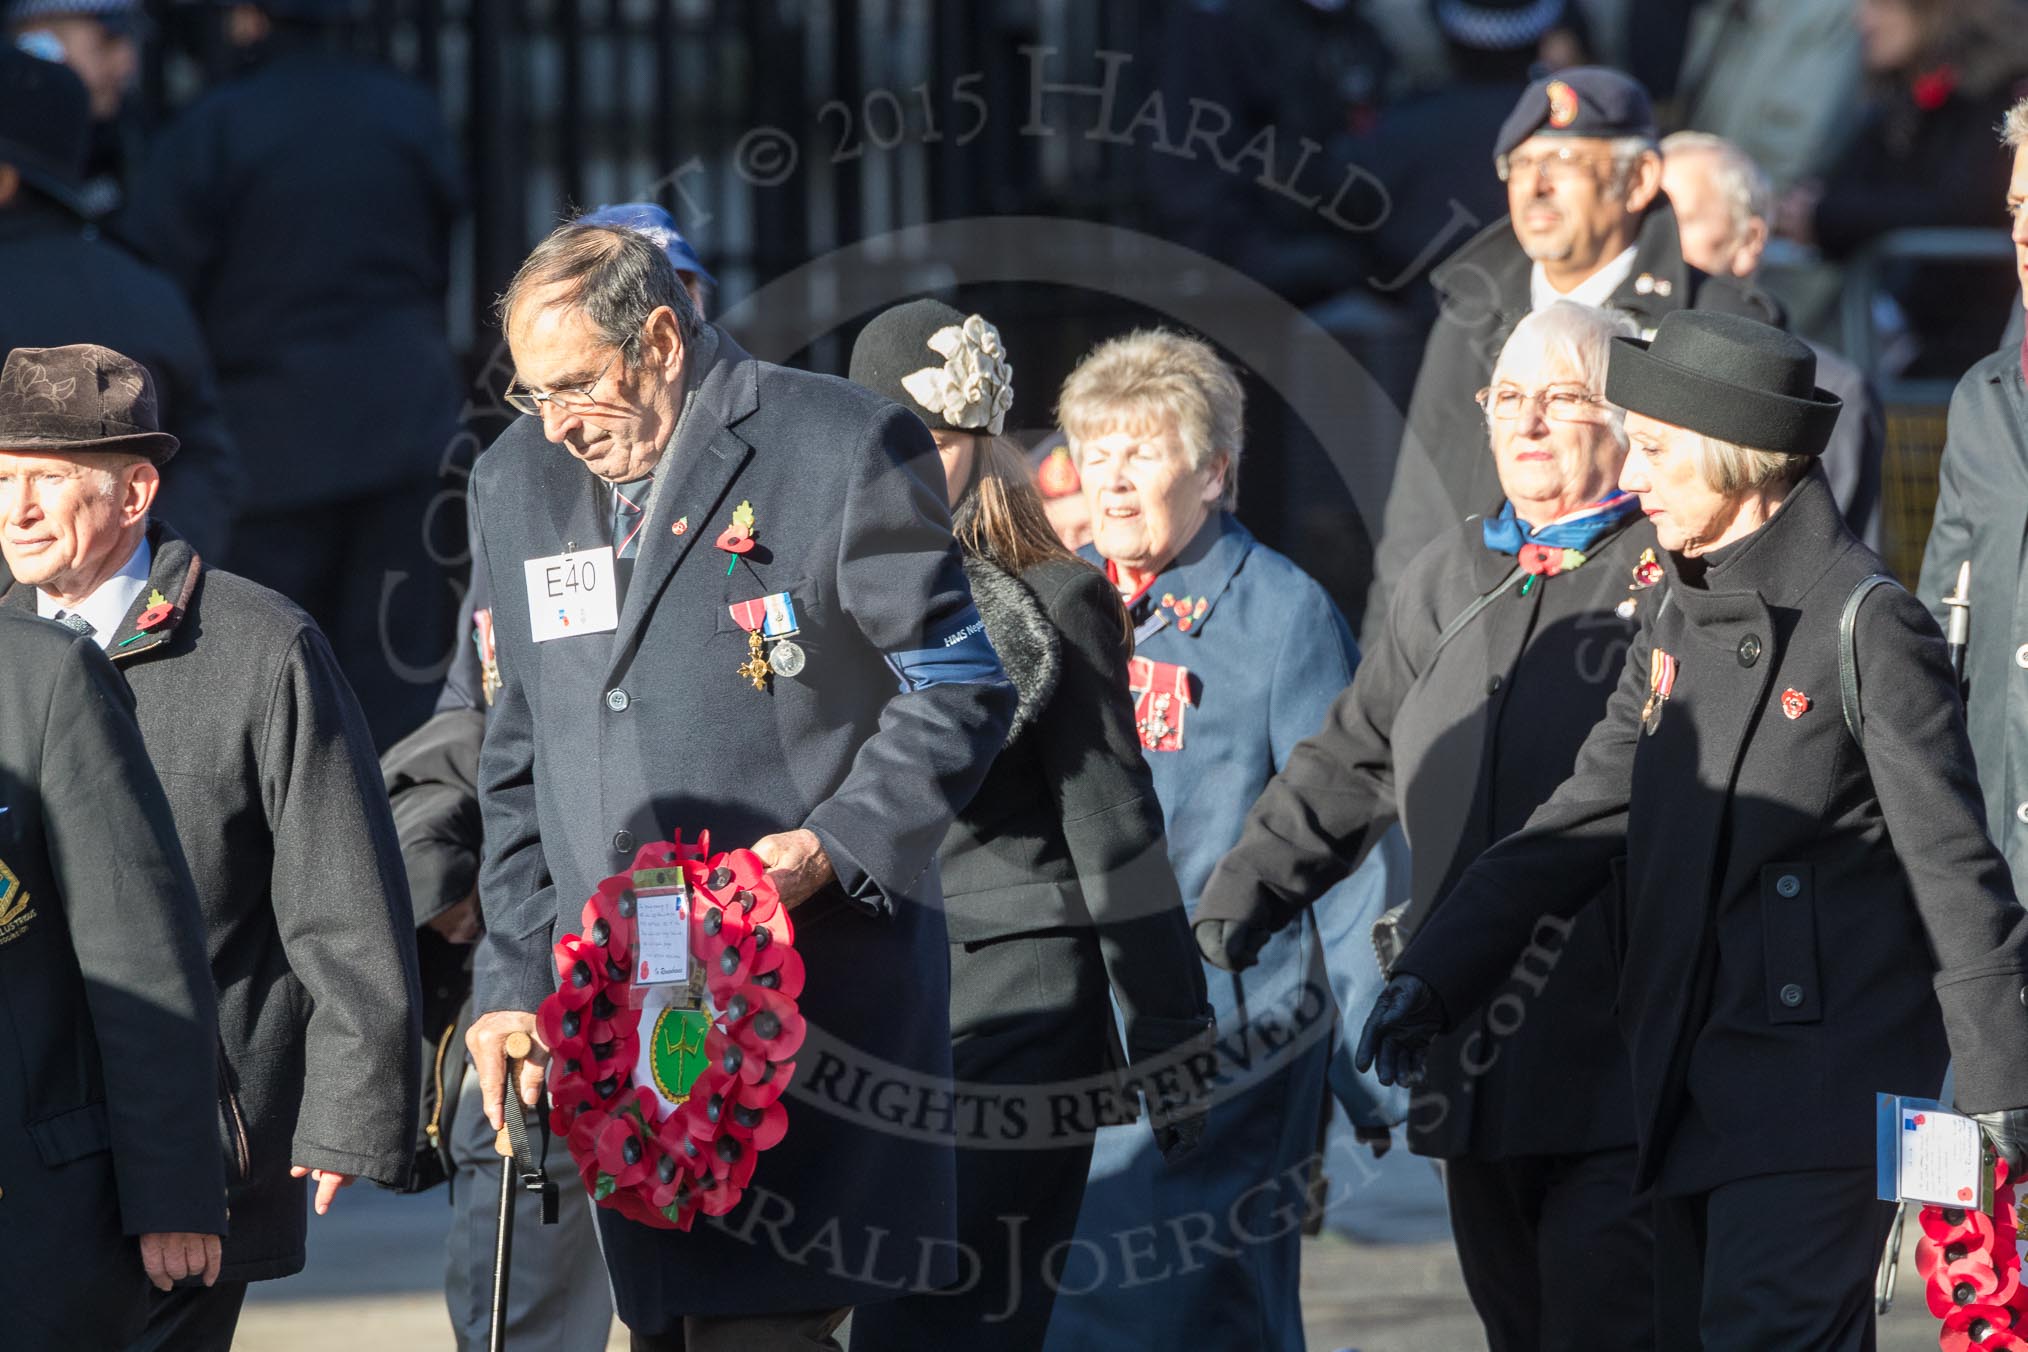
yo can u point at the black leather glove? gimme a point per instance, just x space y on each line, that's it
2007 1129
1379 1140
1180 1134
1230 945
1405 1019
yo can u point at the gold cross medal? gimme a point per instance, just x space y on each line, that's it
770 623
1661 684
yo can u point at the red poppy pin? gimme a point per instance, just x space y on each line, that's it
1795 703
738 537
157 614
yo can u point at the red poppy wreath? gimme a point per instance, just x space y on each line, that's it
667 1095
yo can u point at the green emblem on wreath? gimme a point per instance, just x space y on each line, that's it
676 1052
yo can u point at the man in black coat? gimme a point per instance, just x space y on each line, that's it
1588 223
1981 515
306 209
277 799
651 712
63 283
109 1155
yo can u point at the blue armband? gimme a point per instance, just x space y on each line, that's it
960 654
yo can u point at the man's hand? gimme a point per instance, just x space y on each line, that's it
1406 1017
328 1184
1230 945
797 865
169 1258
2008 1131
486 1040
459 923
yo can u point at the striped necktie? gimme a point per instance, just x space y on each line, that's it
628 519
76 623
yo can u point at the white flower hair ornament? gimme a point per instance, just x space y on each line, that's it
974 387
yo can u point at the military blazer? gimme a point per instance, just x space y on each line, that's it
1806 920
108 1109
1461 744
604 742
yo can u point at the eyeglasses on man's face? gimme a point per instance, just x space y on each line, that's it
1552 166
1560 403
571 399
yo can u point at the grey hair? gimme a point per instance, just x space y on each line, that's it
1158 375
1582 335
1626 152
1730 468
616 276
2014 126
1740 183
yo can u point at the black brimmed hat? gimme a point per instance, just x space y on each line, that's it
947 367
1727 377
45 124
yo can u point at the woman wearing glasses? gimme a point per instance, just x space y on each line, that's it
1504 641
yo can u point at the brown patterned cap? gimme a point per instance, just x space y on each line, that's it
80 398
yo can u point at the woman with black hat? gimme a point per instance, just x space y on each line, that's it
1811 910
1057 887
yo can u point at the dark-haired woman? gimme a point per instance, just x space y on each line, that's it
1057 884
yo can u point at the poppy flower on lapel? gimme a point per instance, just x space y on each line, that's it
1648 571
738 537
154 617
1795 703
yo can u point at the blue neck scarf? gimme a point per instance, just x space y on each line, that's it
1579 530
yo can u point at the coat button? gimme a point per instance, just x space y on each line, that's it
1749 650
1789 885
1493 685
2024 997
2021 656
1792 995
2021 814
617 701
623 842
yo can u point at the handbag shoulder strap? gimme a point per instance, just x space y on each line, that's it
1471 612
1848 656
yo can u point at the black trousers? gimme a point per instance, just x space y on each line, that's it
192 1318
1557 1254
747 1333
1025 1011
1782 1261
366 570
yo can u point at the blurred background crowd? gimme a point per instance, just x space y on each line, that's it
299 212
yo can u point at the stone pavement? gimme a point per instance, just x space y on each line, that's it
1391 1285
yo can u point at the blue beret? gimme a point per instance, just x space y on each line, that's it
658 225
1581 101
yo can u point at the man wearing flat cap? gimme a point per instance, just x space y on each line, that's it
1805 906
110 1173
66 283
1587 222
277 800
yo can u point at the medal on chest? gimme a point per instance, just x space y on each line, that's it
770 624
1661 684
1161 693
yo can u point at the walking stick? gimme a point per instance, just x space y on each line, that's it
521 1169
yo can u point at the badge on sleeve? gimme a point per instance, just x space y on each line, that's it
1161 693
15 913
571 594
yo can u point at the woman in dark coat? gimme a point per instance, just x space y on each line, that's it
1056 880
1812 911
1503 643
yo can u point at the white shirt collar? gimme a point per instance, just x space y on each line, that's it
1594 290
107 607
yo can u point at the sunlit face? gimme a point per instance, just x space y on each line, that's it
959 451
1561 194
620 417
66 525
2017 211
1711 241
1890 36
1146 499
1558 452
1665 467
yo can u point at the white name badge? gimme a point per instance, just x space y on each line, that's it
571 594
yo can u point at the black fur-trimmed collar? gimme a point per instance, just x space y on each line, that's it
1019 627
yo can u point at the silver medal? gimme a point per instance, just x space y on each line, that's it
786 659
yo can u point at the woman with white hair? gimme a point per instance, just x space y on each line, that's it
1498 655
1237 656
1812 911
